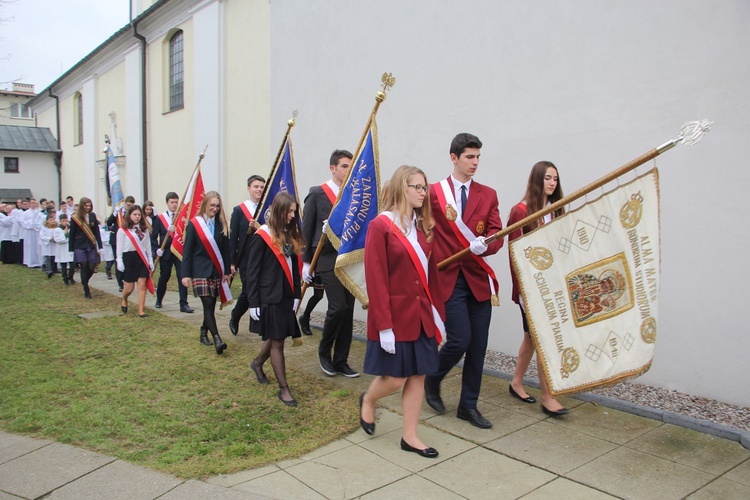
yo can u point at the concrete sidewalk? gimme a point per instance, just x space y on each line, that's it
593 452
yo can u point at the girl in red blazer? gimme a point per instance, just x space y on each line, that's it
403 323
543 188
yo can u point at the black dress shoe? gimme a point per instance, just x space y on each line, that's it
204 337
327 365
529 399
258 371
304 325
158 304
124 308
233 327
554 413
144 315
186 309
432 396
473 417
427 452
369 428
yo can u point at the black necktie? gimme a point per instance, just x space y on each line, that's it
463 202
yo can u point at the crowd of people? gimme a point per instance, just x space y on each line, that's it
420 321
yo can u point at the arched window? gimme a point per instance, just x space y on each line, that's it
176 72
78 118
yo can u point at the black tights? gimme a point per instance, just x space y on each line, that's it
317 297
87 271
274 349
209 318
67 273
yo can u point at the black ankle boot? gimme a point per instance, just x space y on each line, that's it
218 343
204 337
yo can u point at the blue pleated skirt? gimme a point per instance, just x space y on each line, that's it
411 358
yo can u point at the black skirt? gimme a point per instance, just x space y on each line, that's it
411 358
134 267
278 321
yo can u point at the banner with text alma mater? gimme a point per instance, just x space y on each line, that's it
590 285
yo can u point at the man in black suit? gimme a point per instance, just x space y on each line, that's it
239 223
164 228
337 329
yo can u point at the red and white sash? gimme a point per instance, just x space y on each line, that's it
166 222
245 207
419 259
329 192
209 243
265 233
464 235
137 245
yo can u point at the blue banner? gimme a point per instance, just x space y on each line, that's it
282 180
113 180
356 208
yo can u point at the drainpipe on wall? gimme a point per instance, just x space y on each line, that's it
58 156
144 121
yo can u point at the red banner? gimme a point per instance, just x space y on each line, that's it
190 205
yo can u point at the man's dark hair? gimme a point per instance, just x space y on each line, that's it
463 141
254 178
43 200
338 154
129 199
69 198
171 196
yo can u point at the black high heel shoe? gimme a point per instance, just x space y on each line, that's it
529 399
124 308
292 402
369 428
427 452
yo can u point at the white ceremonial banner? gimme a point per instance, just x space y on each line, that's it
590 285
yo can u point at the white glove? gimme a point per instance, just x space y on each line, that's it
325 225
388 341
255 313
171 228
151 266
296 305
478 246
159 252
120 265
306 273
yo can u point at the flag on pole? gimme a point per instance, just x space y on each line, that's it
590 285
281 180
356 207
114 187
191 202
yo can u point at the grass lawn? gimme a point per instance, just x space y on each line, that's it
146 391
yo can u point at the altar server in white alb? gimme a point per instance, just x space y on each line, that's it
63 256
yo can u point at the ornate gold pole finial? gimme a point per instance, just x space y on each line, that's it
293 119
388 81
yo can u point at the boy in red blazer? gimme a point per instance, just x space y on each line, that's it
465 213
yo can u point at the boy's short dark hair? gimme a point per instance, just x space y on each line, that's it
129 199
463 141
338 154
254 178
171 196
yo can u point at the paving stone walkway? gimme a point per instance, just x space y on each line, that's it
593 452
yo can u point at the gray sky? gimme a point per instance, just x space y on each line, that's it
42 39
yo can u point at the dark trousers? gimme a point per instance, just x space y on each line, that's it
165 272
337 329
467 327
242 305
